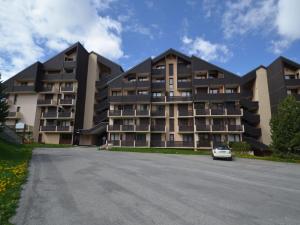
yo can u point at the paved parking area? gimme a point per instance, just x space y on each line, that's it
83 186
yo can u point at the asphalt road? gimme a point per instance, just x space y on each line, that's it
82 186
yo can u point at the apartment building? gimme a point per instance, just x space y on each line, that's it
172 100
52 98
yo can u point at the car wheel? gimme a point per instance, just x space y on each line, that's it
230 159
214 158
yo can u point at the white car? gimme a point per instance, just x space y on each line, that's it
222 152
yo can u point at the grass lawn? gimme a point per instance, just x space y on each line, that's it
163 150
14 161
291 159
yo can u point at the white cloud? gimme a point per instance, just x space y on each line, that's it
27 26
206 49
268 17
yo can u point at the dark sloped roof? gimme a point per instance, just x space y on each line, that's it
173 52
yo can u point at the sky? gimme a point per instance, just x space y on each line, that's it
237 35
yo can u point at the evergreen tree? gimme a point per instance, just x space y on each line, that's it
285 126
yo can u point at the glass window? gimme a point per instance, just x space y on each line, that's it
171 70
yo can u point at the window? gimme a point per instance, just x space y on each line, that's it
24 83
233 138
158 80
143 78
114 137
116 93
213 91
69 70
171 81
18 109
231 90
128 122
171 137
142 92
187 138
171 93
186 93
15 99
156 94
171 70
68 84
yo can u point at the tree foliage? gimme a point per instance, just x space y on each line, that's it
285 127
3 103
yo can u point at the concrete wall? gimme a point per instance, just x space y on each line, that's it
261 94
50 138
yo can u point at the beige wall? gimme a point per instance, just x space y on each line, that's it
28 106
261 94
50 138
92 76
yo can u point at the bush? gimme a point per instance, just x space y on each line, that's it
240 146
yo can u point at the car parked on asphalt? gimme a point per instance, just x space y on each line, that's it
222 152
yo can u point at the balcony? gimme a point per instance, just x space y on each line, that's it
65 115
185 113
64 129
249 105
14 115
203 128
184 84
48 128
185 128
67 101
238 128
158 85
142 127
115 112
128 128
143 84
297 97
130 98
158 98
158 128
114 127
252 131
60 77
180 144
183 70
103 93
179 98
23 89
52 89
158 72
69 64
58 129
158 143
142 113
218 112
217 97
68 89
128 112
139 143
160 113
46 102
115 142
202 112
204 144
292 82
217 127
251 118
234 111
47 115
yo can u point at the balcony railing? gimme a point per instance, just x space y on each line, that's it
202 112
139 143
158 85
142 112
46 102
203 127
179 98
68 89
49 89
235 128
158 113
114 127
158 127
128 112
48 128
128 128
204 144
180 144
67 101
54 128
64 128
158 72
142 127
184 84
217 111
127 143
218 127
185 112
158 98
115 112
157 143
49 115
115 142
185 128
21 88
65 115
14 115
233 111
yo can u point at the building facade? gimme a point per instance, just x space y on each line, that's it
172 100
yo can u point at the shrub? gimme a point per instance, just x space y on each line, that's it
240 146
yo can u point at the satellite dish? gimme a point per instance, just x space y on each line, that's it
20 125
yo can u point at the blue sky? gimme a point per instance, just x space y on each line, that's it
237 35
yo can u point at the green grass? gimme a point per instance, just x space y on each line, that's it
275 158
181 151
14 161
